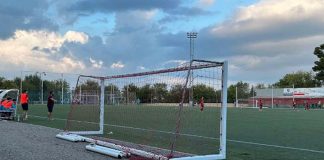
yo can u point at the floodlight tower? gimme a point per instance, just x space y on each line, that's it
191 36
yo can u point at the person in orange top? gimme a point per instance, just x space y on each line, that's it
24 103
7 103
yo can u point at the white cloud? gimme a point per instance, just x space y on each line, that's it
37 50
148 15
141 68
118 64
245 61
26 20
267 14
72 36
96 64
205 3
177 62
135 20
271 38
67 64
284 9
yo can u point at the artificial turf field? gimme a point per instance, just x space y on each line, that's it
270 134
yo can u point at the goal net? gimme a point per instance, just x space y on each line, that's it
173 113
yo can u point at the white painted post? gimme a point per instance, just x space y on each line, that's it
21 79
62 89
223 111
113 96
80 93
293 93
271 96
102 105
236 101
42 90
252 96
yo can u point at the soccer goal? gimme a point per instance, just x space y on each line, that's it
150 114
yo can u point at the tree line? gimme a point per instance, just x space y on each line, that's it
160 92
33 84
155 93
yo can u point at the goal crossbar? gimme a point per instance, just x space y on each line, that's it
208 64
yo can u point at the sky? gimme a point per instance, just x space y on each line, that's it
261 39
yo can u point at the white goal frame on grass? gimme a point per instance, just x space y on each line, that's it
223 115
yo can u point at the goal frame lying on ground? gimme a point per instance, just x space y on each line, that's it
223 115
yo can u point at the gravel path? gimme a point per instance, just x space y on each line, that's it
30 142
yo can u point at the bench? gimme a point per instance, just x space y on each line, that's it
6 113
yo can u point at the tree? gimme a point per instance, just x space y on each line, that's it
300 79
160 92
319 64
112 89
260 86
175 93
202 90
242 91
129 93
145 94
90 85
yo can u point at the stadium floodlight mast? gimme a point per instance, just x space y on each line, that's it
191 36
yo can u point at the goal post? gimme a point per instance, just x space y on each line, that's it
157 121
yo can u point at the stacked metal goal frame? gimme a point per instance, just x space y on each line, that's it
118 149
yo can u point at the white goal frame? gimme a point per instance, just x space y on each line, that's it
220 153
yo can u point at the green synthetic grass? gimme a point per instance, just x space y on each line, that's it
279 127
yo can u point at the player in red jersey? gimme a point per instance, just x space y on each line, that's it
201 103
260 105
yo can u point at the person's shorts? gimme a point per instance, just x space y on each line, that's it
24 106
50 108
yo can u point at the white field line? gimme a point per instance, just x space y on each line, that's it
197 136
269 108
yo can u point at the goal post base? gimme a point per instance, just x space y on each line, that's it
70 137
87 132
77 138
106 151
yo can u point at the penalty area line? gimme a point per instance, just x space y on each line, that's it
197 136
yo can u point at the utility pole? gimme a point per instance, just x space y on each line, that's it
191 36
253 96
271 96
21 81
42 86
236 101
293 91
62 89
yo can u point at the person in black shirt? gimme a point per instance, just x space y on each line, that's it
50 105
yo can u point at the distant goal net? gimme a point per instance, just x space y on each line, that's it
171 113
